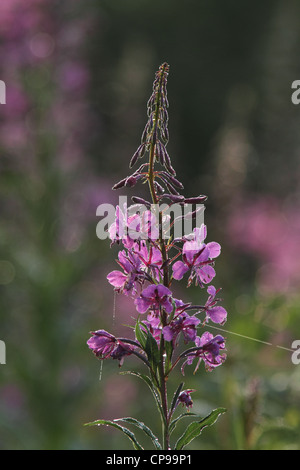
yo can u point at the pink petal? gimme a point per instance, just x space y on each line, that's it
142 305
116 278
211 290
168 333
206 273
179 270
214 249
217 314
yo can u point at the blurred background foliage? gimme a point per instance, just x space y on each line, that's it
78 75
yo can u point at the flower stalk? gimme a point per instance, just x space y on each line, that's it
153 258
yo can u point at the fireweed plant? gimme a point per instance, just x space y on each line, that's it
150 261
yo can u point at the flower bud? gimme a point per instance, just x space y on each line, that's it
120 184
195 200
140 152
139 200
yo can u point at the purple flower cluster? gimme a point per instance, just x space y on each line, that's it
105 345
150 264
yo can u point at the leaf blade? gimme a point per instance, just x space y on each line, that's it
194 429
126 431
183 415
140 334
175 398
144 428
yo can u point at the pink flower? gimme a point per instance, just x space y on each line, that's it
197 257
214 312
185 398
150 258
154 297
105 345
207 350
182 323
126 282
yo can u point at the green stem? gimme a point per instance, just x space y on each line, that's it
163 386
155 200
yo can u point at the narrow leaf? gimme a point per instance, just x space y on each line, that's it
175 398
183 415
144 428
195 428
169 352
140 335
126 431
152 351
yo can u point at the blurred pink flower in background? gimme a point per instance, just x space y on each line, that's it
16 16
269 230
73 77
12 399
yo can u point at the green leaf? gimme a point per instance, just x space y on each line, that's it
113 423
169 352
175 397
144 428
140 334
152 351
194 429
183 415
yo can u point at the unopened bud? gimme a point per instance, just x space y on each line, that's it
139 200
120 184
195 200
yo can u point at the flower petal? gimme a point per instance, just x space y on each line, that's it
211 290
142 304
205 273
214 249
116 278
168 333
217 314
179 270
